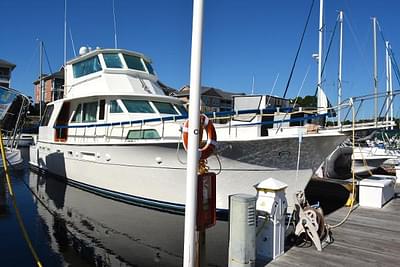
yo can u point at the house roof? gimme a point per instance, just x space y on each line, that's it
167 89
5 63
59 75
185 91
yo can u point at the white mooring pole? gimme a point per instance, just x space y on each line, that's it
340 68
190 253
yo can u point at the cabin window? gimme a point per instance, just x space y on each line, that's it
47 115
138 106
112 60
89 112
149 67
143 134
181 109
134 62
165 108
86 67
102 105
77 115
114 107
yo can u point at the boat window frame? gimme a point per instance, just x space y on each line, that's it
154 111
96 114
98 67
121 60
176 106
48 112
124 55
119 105
154 102
147 64
75 113
142 135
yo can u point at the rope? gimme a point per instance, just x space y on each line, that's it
14 201
298 49
353 183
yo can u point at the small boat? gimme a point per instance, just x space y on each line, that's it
13 110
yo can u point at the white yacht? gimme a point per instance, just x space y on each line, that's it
117 134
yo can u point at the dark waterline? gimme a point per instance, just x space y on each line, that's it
72 227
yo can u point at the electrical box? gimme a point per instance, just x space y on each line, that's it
271 215
242 230
206 201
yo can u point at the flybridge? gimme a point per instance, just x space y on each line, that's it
110 71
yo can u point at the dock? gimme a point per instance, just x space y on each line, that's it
370 237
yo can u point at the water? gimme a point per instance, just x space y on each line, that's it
72 227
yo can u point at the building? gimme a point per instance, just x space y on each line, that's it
212 99
53 87
5 72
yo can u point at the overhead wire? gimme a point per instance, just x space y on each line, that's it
298 49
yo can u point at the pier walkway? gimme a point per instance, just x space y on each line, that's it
370 237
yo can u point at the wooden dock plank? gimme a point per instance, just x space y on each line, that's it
370 237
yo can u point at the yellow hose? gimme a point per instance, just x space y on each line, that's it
353 177
19 218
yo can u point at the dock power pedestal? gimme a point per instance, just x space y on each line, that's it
271 214
242 230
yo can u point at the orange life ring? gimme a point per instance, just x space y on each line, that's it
208 126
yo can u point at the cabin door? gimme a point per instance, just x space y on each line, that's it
61 134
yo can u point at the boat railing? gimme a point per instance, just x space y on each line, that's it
240 118
232 117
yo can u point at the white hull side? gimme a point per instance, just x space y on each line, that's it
153 172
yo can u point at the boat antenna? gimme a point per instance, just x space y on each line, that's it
252 86
115 25
72 41
272 90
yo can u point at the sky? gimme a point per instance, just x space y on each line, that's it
242 39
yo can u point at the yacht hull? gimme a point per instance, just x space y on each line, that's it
154 174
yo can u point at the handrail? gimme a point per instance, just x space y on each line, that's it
174 118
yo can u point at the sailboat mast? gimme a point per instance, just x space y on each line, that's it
387 82
340 66
391 89
322 101
375 75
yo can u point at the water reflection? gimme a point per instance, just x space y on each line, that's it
104 232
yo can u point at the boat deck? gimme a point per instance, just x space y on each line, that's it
370 237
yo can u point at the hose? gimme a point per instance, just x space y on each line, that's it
329 227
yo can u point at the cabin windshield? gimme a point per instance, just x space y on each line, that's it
112 60
165 108
138 106
181 109
134 62
86 67
149 67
